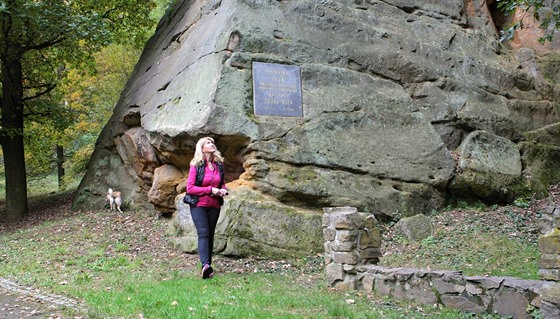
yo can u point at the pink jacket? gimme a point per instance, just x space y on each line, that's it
211 179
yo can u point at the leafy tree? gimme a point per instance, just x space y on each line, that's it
547 13
38 40
92 97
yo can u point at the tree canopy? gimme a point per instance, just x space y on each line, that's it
40 41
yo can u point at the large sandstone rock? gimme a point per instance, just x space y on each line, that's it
390 90
163 191
489 167
254 224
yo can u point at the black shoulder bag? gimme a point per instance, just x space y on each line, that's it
192 200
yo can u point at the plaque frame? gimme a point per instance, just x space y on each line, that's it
277 90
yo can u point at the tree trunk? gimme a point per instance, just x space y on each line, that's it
12 139
60 166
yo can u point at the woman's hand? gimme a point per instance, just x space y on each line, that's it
219 191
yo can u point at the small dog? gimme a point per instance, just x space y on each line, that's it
114 199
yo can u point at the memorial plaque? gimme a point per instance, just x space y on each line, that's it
277 89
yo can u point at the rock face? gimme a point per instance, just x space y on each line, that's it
400 98
253 225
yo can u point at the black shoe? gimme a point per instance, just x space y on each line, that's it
207 271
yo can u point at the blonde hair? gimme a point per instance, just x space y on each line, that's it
198 158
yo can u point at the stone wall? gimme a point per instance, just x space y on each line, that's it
352 242
549 245
351 239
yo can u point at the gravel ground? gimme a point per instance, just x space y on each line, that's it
17 302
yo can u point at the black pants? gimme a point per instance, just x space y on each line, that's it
205 220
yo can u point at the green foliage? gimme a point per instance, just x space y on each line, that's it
548 17
88 84
522 202
40 43
92 96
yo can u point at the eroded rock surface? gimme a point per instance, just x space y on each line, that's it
391 89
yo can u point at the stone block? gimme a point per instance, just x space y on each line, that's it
327 247
347 235
549 261
345 219
549 274
510 303
370 253
416 227
334 272
349 283
486 282
326 220
370 261
399 291
448 287
349 269
550 243
343 246
549 310
550 301
329 234
473 289
370 238
463 302
423 293
383 286
338 210
404 274
369 221
345 257
368 282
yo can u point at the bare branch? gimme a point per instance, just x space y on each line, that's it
47 88
46 44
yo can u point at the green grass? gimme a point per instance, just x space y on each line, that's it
492 242
115 282
118 268
228 296
121 266
481 254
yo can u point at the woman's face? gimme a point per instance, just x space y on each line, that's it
208 147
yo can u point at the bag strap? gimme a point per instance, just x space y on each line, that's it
200 174
221 170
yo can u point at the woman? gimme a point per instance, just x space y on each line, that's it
210 188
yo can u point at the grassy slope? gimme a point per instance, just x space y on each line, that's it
493 241
122 265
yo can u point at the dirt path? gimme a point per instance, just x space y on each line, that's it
18 302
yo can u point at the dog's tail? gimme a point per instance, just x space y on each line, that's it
110 192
